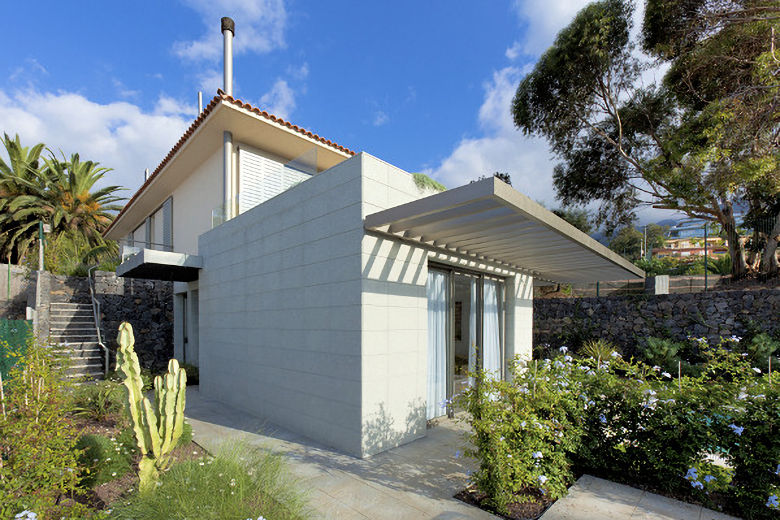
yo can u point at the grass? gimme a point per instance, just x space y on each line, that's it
97 401
241 481
104 458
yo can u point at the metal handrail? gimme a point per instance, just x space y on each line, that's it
96 317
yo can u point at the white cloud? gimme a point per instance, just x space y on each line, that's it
300 73
119 135
541 21
280 100
501 147
380 118
260 27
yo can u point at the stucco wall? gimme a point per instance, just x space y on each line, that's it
394 315
280 309
193 203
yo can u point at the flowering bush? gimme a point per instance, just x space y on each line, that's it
630 422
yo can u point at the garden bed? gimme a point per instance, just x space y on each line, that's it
532 509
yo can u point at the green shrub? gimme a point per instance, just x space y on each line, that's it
761 347
241 481
661 351
97 401
598 349
104 458
37 441
192 374
522 434
630 422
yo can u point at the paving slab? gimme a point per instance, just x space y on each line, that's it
592 498
414 481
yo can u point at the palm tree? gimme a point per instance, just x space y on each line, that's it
19 177
59 193
72 204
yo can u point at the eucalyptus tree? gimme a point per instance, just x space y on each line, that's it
689 144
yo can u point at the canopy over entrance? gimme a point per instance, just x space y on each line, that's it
490 220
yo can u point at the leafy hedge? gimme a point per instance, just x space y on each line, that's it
630 422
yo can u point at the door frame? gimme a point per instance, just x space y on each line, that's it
481 276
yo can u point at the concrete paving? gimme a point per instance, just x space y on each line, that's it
592 498
415 481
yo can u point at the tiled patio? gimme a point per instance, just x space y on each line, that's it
415 481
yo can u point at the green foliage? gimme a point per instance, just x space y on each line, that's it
37 441
661 351
760 348
426 183
702 142
186 435
157 428
241 481
70 253
62 193
577 217
674 266
97 401
103 459
193 377
633 423
598 349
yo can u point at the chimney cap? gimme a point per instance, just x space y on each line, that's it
228 25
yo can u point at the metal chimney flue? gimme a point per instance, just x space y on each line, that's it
228 31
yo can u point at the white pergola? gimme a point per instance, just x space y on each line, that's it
489 220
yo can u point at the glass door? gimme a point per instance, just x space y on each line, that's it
465 332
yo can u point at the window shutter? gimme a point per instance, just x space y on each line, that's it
261 178
167 216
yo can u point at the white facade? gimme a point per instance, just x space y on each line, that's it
308 320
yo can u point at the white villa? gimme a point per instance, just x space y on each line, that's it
324 290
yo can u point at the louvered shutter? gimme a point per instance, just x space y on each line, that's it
167 218
260 179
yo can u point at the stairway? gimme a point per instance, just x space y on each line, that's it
72 329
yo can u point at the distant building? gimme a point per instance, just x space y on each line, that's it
686 238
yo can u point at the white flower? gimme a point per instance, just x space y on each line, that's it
756 370
667 374
542 479
564 349
537 455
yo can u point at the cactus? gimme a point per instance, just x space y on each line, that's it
157 428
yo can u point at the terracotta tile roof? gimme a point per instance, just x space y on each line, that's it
221 96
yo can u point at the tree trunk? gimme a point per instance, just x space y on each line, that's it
736 249
769 263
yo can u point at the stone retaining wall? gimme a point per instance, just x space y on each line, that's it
625 319
146 304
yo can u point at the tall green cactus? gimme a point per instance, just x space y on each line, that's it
157 428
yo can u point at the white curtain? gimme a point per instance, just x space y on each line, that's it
473 330
491 335
438 300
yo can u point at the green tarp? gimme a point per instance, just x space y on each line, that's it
13 338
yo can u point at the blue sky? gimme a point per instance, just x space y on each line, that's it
423 85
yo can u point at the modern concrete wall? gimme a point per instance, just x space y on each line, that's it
280 329
394 315
320 327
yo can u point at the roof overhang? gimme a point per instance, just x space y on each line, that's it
204 138
149 264
489 220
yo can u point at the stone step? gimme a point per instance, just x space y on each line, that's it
69 305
